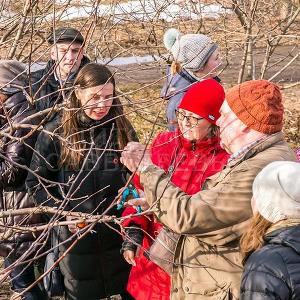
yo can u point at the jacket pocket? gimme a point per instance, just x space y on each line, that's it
218 291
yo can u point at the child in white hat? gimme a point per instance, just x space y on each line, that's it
196 57
271 246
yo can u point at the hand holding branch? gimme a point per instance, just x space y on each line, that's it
135 156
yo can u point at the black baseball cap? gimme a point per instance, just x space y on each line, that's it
65 34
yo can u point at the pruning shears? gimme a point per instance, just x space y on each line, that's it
130 190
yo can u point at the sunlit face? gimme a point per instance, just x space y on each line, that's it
192 126
211 67
230 127
96 101
68 57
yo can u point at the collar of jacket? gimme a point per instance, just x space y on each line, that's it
188 76
191 77
49 71
208 144
283 224
287 236
84 121
265 143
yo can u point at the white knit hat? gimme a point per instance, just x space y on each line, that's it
276 191
191 50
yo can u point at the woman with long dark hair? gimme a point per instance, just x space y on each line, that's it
80 151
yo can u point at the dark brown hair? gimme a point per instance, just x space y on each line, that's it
253 238
90 75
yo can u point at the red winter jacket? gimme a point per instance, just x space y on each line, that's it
191 163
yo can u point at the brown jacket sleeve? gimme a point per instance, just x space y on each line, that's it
225 204
223 207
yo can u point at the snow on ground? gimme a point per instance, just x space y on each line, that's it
134 11
141 10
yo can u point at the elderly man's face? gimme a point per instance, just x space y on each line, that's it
230 127
68 57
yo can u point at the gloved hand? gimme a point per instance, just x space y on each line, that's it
133 240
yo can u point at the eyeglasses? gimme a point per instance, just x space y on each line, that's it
191 119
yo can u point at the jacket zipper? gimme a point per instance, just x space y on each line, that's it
193 145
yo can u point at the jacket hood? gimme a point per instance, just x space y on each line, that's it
14 100
287 236
14 105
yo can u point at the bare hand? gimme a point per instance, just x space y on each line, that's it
129 257
72 227
139 202
75 226
135 154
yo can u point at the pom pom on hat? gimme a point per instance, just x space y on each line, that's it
170 37
205 99
276 193
258 104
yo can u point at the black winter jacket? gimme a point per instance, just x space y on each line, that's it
273 272
45 88
15 154
94 268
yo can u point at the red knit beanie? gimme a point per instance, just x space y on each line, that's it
258 104
204 98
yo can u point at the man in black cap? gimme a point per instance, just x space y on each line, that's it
50 85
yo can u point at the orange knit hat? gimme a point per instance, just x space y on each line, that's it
258 104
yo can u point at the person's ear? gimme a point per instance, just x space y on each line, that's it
243 128
53 53
77 93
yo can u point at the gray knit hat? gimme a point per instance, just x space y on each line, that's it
191 50
13 76
276 191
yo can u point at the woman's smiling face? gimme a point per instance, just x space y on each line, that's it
192 126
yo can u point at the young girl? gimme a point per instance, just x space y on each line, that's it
82 156
196 57
191 154
271 245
